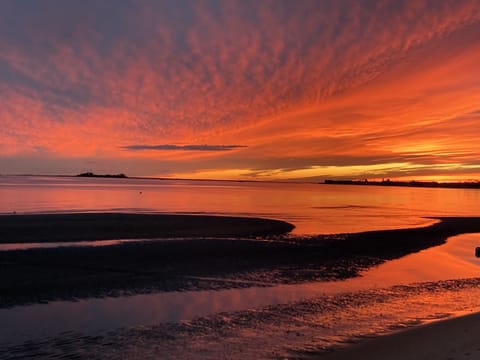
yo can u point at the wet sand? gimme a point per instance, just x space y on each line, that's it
215 255
107 226
452 339
309 329
206 261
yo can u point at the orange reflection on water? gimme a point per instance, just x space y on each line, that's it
453 260
312 208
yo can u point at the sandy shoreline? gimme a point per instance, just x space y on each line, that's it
452 339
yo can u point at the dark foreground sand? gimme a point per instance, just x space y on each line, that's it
107 226
452 339
209 260
39 275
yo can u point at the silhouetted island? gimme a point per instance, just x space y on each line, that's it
388 182
90 174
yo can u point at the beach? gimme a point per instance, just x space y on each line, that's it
220 250
316 328
195 254
451 339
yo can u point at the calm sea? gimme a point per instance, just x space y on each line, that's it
312 208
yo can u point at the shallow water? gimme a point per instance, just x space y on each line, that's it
312 208
50 245
295 330
454 260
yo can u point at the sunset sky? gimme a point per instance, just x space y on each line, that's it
288 90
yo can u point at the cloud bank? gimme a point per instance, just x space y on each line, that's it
301 84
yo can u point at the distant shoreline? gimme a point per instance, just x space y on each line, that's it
164 178
413 183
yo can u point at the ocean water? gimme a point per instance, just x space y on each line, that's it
312 208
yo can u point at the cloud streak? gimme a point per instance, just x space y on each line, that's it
171 147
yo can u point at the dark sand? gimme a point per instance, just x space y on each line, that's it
452 339
107 226
208 261
39 275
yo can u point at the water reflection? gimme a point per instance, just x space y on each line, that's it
51 245
313 208
454 260
92 315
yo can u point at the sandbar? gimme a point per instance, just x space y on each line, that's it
107 226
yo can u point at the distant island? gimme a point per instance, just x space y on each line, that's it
388 182
90 174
